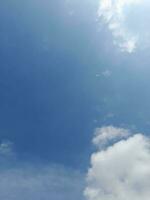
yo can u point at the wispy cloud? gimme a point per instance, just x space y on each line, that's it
6 148
124 18
27 180
107 73
30 182
121 171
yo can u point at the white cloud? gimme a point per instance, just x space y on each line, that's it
128 20
108 133
120 172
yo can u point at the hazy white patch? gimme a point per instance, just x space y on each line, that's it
95 121
121 171
108 133
128 20
70 7
28 181
110 115
34 182
71 12
6 148
107 73
97 75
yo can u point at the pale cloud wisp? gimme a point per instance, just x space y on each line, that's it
128 20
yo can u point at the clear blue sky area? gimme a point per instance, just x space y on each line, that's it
61 77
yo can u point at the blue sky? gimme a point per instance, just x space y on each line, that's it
68 68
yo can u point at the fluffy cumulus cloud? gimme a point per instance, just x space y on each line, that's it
122 170
29 180
128 20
